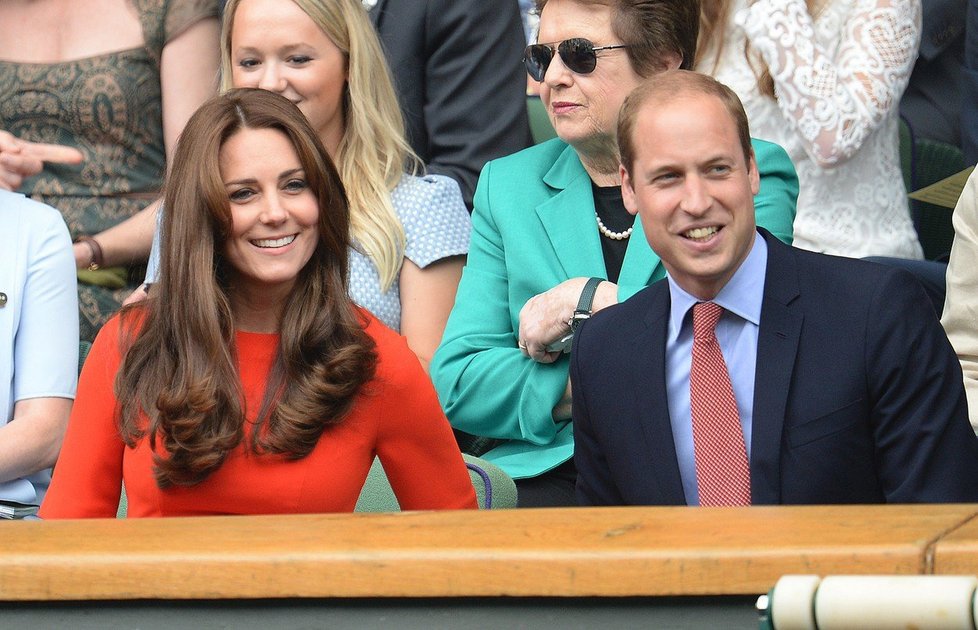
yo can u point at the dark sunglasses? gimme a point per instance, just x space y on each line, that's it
577 53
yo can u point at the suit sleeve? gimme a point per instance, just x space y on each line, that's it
960 318
595 485
475 87
415 442
87 480
484 382
777 199
925 447
969 86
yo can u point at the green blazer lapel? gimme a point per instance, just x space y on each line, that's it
568 218
640 262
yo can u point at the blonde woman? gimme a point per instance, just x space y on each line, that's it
823 78
409 233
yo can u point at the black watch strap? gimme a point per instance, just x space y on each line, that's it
583 310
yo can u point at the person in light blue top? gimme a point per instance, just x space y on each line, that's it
410 233
38 344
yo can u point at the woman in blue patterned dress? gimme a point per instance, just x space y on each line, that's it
410 233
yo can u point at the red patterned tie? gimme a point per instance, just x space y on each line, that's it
722 471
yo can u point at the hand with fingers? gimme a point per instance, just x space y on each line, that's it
20 159
546 318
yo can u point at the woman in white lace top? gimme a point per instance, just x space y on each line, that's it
823 79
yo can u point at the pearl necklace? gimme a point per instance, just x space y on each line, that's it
615 236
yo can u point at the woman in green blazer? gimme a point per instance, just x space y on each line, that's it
551 240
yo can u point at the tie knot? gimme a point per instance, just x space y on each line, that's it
705 318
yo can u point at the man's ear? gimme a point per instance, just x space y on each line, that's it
672 61
627 192
753 174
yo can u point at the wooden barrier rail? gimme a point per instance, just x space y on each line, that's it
576 552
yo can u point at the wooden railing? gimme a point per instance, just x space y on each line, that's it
546 552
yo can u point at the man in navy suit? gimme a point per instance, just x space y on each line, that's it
461 85
846 388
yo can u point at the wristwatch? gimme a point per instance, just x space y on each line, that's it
583 310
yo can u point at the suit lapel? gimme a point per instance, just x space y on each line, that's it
651 401
376 12
568 218
777 345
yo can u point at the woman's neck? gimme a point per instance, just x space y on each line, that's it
258 311
600 160
331 139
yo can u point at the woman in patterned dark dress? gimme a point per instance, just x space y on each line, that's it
114 80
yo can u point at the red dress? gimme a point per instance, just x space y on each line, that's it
396 416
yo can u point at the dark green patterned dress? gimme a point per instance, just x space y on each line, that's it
109 107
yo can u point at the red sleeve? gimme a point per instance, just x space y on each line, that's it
88 475
414 440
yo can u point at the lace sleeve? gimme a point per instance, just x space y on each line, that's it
835 94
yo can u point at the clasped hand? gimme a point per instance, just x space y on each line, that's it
545 317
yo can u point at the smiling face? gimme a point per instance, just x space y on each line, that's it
584 107
693 188
274 213
276 46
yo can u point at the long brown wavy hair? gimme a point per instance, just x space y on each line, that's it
714 16
179 358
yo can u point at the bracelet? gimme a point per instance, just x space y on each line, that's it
583 310
97 259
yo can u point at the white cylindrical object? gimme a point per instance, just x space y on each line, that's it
792 602
883 602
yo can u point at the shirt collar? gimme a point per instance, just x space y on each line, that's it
743 295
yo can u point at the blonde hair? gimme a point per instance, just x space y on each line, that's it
373 153
714 16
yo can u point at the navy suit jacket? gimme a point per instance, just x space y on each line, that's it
460 81
858 394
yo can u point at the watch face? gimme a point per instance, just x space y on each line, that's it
563 344
579 316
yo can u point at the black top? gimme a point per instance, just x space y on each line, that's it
611 209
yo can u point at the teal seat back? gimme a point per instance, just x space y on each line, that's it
84 347
934 161
540 127
925 162
493 487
